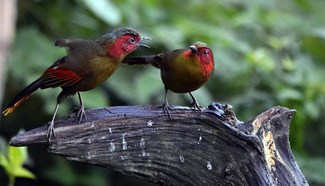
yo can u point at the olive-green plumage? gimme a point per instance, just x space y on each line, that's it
94 60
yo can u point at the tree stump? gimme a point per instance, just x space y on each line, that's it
190 148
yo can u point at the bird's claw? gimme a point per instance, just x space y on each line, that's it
50 131
166 109
195 105
81 114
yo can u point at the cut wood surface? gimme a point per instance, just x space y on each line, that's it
191 148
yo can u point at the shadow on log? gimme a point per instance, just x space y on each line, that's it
191 148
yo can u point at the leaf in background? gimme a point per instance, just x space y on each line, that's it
314 45
105 10
288 64
24 173
16 156
4 162
261 59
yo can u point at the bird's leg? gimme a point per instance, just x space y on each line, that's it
166 107
195 104
81 112
50 125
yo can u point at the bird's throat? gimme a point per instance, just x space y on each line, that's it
207 66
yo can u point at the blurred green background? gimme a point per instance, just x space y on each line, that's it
267 53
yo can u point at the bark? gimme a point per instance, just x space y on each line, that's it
190 148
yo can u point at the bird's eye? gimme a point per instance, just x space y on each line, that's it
205 52
132 40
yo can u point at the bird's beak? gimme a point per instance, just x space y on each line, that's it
194 49
143 45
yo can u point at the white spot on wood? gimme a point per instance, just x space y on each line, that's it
181 158
150 123
103 137
124 143
209 166
142 146
142 143
110 130
122 157
111 147
92 125
89 141
200 139
88 156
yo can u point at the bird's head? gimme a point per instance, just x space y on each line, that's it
204 55
122 41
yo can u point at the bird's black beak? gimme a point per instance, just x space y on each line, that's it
143 45
194 49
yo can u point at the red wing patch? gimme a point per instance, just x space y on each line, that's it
59 78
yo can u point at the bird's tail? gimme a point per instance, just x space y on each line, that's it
22 96
141 60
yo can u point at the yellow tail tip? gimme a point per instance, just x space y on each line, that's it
8 111
12 108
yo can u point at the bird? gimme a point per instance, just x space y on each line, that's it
182 70
87 64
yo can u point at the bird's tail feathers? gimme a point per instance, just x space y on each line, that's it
22 96
141 60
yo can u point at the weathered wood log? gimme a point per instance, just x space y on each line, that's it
190 148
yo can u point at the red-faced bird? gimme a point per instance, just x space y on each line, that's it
87 65
182 70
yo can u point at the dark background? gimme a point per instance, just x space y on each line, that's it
267 53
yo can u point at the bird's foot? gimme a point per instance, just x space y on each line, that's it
81 114
195 105
166 109
50 131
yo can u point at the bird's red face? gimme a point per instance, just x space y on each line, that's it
125 44
204 55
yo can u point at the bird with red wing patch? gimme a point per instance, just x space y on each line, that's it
87 65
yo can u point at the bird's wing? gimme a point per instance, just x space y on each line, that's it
58 75
165 59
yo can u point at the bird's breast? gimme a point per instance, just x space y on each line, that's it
185 77
99 69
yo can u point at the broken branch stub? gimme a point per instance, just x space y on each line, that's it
190 148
